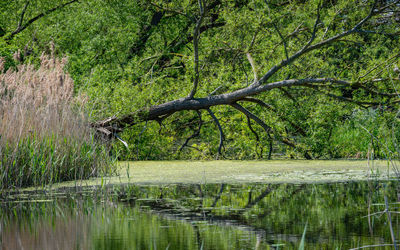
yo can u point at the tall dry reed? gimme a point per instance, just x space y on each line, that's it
44 133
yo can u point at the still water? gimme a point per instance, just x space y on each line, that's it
209 216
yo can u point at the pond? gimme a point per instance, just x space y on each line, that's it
201 216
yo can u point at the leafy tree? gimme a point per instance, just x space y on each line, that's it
280 76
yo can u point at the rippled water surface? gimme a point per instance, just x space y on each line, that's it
211 216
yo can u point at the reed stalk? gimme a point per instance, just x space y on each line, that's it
44 136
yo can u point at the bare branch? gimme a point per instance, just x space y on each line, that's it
260 102
386 62
252 130
21 27
250 58
269 107
256 135
221 132
353 85
196 36
392 35
372 91
253 39
283 40
195 134
23 14
252 116
265 126
253 66
308 47
314 29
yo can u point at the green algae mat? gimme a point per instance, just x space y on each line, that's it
276 171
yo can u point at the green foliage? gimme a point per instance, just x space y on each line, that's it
126 60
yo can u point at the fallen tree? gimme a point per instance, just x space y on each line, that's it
375 22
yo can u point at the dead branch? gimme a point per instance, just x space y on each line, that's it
195 134
23 14
252 116
253 66
221 132
283 40
157 111
196 36
269 107
266 127
386 62
255 134
308 47
21 27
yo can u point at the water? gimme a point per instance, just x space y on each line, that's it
212 216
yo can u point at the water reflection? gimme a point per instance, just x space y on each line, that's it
213 216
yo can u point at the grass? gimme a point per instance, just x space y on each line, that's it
44 137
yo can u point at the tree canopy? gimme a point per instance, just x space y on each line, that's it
232 78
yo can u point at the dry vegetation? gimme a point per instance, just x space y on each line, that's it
44 137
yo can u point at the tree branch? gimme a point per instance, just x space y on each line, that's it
265 126
221 132
283 40
144 34
392 35
308 47
253 66
256 135
23 14
196 36
269 107
157 111
195 134
20 28
246 112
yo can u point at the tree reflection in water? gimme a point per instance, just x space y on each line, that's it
209 216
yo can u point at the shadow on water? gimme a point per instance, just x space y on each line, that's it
209 216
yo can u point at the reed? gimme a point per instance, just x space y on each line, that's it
44 132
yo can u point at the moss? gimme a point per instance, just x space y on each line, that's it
278 171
